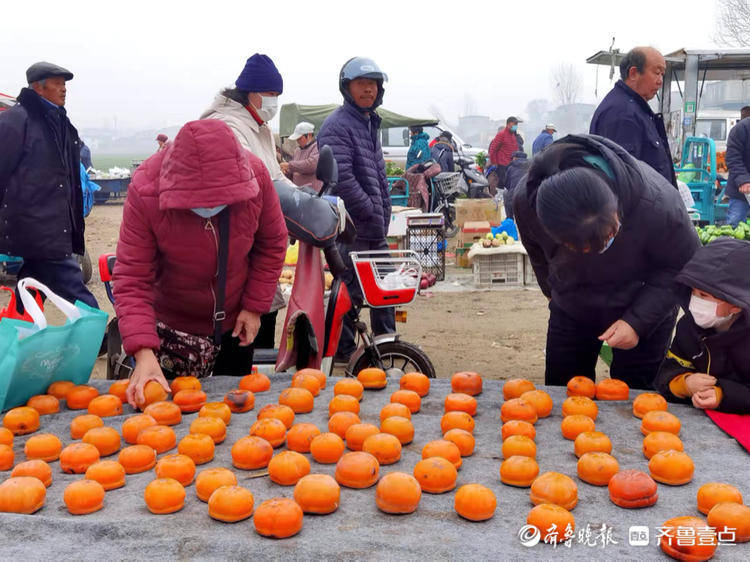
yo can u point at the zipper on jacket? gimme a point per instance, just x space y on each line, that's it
210 226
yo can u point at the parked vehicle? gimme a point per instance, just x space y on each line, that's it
312 326
396 141
471 182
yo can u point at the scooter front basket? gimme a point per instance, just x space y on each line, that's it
387 277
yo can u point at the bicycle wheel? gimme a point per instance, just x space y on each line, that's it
399 356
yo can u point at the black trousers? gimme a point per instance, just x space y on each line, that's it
233 360
266 337
64 277
573 348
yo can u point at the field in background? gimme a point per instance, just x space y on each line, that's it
104 162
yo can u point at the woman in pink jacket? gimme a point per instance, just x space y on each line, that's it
166 274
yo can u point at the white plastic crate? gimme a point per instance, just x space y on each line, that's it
529 277
499 269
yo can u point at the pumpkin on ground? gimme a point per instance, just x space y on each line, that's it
327 448
105 439
189 400
165 413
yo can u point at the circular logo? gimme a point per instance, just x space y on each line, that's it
529 535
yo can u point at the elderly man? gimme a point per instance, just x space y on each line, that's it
247 108
41 202
503 146
738 162
625 117
303 164
352 133
544 139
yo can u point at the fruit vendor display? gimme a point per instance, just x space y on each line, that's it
311 448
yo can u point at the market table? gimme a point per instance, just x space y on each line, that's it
358 530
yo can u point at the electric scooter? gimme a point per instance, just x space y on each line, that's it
312 329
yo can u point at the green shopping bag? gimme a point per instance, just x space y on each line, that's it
33 355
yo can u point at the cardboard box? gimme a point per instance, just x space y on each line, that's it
468 210
471 231
397 226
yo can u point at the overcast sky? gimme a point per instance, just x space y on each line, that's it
158 63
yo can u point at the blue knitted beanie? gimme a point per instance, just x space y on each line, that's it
260 75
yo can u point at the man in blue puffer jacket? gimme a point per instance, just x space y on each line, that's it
352 133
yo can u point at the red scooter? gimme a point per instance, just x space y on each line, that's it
314 318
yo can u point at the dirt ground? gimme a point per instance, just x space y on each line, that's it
499 333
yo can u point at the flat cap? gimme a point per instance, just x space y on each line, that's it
41 70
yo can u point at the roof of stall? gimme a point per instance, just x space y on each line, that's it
293 113
718 64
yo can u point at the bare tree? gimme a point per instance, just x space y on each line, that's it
732 23
537 109
566 83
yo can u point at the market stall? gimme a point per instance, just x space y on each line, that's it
124 528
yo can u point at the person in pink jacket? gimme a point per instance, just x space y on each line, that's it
301 168
167 254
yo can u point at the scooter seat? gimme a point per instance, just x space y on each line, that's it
265 356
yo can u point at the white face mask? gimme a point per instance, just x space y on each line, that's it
208 212
704 313
268 107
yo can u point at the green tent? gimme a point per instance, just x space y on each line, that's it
293 113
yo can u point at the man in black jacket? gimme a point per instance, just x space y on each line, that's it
708 363
41 202
738 163
625 117
622 290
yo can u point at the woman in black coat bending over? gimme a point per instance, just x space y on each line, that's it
606 235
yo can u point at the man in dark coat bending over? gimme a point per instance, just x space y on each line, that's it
625 117
41 202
